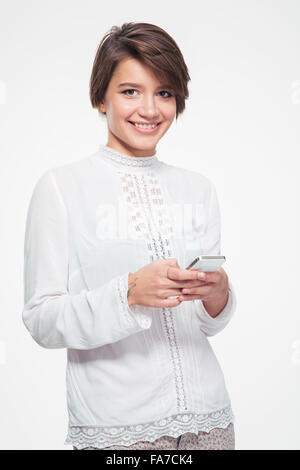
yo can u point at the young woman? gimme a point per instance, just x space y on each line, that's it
108 238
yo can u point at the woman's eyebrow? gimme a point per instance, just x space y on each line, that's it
140 86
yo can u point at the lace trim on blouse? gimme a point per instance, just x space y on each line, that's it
119 159
149 218
174 426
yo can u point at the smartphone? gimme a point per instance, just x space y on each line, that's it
207 263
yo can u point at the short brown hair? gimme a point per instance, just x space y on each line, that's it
152 46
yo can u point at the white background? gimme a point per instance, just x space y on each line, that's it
240 129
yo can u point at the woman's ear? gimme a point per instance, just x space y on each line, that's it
101 108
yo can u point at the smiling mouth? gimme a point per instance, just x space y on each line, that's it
145 124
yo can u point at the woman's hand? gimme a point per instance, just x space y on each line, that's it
154 283
215 287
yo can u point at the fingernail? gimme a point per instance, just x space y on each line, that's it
201 275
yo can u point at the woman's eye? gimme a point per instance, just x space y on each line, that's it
126 91
165 91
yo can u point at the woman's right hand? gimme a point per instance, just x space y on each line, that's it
151 285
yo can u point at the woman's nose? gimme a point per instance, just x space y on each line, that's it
148 107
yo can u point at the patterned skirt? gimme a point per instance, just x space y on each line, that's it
216 439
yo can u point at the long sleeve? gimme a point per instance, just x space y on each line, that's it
54 318
212 246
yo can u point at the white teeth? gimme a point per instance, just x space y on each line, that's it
145 126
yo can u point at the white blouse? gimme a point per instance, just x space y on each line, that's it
133 373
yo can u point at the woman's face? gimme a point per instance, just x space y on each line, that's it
145 100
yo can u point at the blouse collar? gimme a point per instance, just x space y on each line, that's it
121 160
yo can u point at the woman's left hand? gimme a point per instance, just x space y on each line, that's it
216 286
